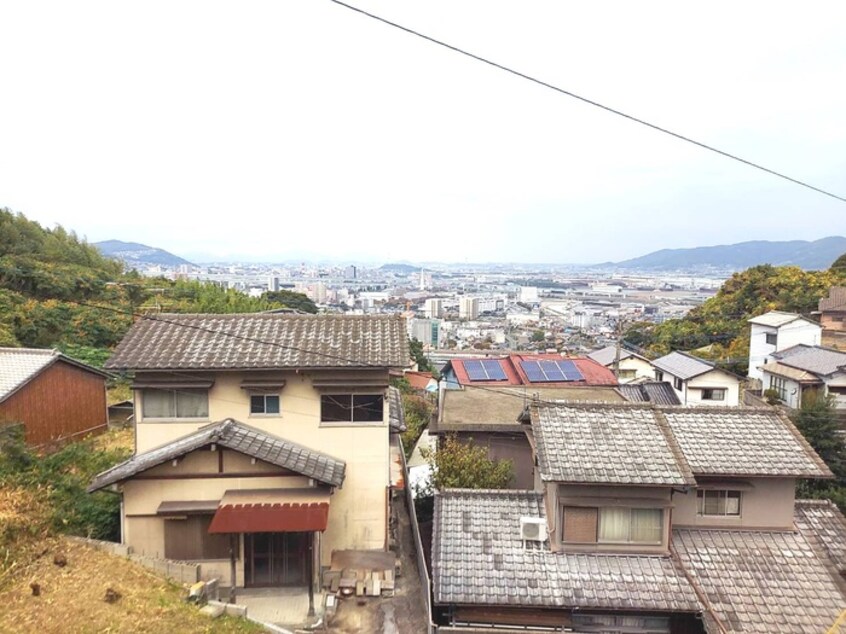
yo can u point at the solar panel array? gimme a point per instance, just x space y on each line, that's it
485 370
548 371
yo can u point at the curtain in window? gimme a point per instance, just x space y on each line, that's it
192 404
646 525
159 404
614 525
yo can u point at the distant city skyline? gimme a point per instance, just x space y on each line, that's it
303 131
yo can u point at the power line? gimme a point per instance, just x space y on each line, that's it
591 102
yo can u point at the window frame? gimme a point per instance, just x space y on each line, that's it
598 541
779 384
712 391
353 408
264 396
678 384
175 392
702 494
771 338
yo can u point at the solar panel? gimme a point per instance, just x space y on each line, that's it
494 369
533 371
485 370
551 370
571 372
548 371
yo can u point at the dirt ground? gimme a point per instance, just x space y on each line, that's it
72 597
401 614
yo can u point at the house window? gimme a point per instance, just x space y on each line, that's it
627 374
264 404
772 338
713 394
718 502
183 403
659 376
351 408
677 383
613 525
778 384
188 539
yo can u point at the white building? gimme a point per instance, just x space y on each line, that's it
775 331
528 295
468 308
802 370
434 308
696 381
426 331
632 365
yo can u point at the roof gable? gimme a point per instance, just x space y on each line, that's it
239 437
685 366
814 359
777 318
18 366
262 341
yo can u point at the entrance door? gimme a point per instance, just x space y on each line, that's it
275 559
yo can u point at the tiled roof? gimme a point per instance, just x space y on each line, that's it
779 369
814 359
822 523
238 437
658 392
478 558
396 413
760 581
593 373
742 441
836 299
20 365
776 318
683 365
606 444
262 341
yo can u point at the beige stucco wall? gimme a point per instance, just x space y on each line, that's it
358 510
768 504
692 394
642 368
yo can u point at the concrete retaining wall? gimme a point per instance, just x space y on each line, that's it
179 571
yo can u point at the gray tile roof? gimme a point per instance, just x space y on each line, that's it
607 355
606 443
238 437
822 523
775 318
760 581
815 359
478 558
658 392
18 366
683 365
836 299
742 441
262 341
396 413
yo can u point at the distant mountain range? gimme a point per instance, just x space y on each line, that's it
135 253
816 255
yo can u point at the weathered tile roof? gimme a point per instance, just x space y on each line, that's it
262 341
836 299
607 355
239 437
478 558
822 523
779 369
815 359
18 366
683 365
776 318
760 581
396 413
742 441
606 443
658 392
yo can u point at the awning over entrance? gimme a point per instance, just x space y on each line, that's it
272 511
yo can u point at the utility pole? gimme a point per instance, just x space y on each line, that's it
619 347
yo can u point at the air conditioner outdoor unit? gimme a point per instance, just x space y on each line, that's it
532 529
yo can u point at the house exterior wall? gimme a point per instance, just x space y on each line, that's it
715 379
61 402
507 446
792 390
768 503
836 387
358 510
794 333
641 368
833 320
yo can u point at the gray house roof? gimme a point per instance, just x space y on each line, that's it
262 341
814 359
683 365
237 436
18 366
479 559
606 444
743 442
396 412
760 581
606 356
777 318
658 392
823 525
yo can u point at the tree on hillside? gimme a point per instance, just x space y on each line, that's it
817 420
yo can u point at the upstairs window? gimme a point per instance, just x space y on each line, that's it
772 338
352 408
720 503
264 404
613 525
678 384
659 376
182 403
713 394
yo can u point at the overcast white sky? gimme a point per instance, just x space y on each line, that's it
298 129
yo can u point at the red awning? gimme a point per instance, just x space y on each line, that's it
272 511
